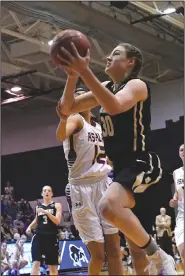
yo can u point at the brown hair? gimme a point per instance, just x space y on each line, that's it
134 52
47 186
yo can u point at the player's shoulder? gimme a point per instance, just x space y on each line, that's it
75 117
177 171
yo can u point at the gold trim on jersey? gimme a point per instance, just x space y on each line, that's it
135 128
142 126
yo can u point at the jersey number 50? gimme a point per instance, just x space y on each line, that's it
107 126
99 156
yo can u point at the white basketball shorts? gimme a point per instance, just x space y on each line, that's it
86 216
179 232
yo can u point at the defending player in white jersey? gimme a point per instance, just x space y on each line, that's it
178 198
88 177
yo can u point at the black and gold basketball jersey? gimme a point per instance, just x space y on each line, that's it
128 132
44 224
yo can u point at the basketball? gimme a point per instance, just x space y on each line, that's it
64 39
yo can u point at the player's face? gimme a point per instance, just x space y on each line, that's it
117 62
47 192
181 152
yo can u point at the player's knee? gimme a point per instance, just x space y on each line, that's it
14 264
98 258
106 208
24 263
113 253
53 270
36 265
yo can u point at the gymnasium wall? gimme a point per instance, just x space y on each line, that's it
23 132
167 102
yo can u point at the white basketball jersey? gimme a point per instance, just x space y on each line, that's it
179 186
85 155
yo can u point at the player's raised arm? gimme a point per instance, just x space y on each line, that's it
68 127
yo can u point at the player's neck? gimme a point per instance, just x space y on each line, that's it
118 79
47 201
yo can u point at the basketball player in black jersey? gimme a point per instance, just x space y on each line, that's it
125 119
45 241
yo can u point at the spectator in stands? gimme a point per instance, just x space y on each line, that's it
163 230
3 206
22 205
7 232
5 264
62 235
7 196
16 235
11 209
9 188
28 212
18 223
18 206
8 219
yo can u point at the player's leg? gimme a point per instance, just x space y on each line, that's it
112 238
179 238
97 260
139 259
14 264
181 251
87 221
114 258
53 270
36 255
22 264
115 207
52 253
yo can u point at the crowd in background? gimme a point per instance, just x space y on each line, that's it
17 215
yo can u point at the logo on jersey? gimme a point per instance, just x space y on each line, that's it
77 255
94 137
180 182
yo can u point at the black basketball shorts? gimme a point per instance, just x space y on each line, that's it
47 247
140 172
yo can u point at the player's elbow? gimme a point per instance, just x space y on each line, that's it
116 108
57 222
60 137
